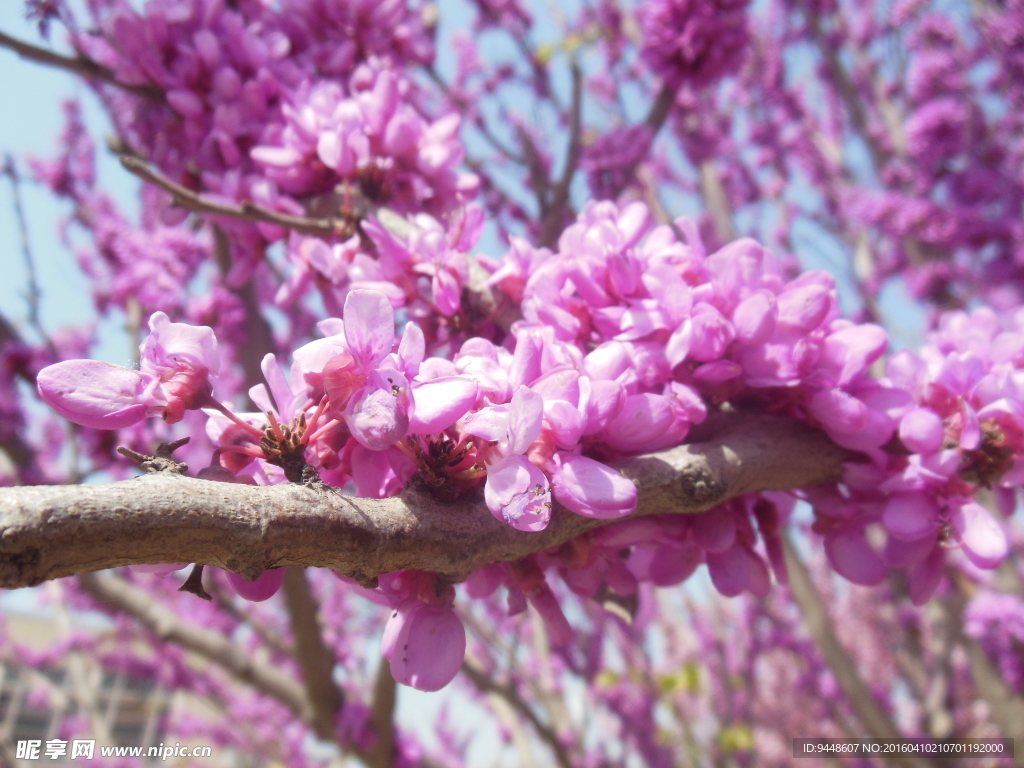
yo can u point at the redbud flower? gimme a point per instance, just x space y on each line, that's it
176 365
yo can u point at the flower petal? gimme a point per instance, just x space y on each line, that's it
95 394
590 488
425 645
263 588
854 559
439 403
369 326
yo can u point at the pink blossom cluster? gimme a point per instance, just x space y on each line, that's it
372 138
960 430
694 42
226 71
629 335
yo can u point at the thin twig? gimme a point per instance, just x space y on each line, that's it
123 596
79 65
382 719
34 297
246 210
717 201
486 684
658 113
464 107
551 226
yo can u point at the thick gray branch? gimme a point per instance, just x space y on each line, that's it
48 532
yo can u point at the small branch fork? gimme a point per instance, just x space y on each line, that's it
49 532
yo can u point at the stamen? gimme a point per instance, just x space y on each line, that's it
250 450
278 433
322 431
315 418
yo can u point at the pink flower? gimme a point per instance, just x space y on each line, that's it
425 645
590 488
516 491
95 394
424 640
264 587
176 365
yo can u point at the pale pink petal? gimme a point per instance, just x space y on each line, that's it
606 399
853 558
755 318
439 403
518 493
911 516
95 394
369 326
642 420
566 423
712 333
838 411
544 600
924 577
982 537
411 349
714 530
730 570
490 423
380 474
590 488
379 419
425 645
921 431
484 580
904 554
849 352
759 583
678 345
673 563
526 417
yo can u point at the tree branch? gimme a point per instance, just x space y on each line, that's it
819 626
117 593
382 718
313 654
484 683
48 532
554 219
78 65
658 113
246 210
717 201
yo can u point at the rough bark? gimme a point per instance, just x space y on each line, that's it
48 532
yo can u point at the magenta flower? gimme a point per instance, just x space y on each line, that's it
264 587
516 491
177 363
425 645
424 640
589 488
